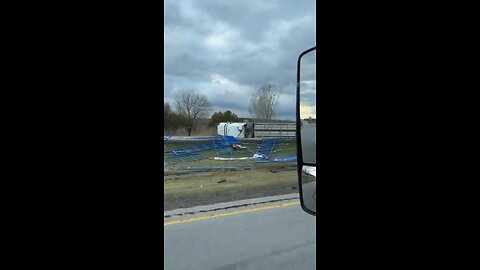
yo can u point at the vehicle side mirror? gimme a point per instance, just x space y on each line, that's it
306 129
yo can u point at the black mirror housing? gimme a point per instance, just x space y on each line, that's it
306 127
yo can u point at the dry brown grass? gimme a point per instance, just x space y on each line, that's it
223 186
200 131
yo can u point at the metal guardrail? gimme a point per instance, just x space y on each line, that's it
275 130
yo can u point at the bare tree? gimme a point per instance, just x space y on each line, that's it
192 105
263 104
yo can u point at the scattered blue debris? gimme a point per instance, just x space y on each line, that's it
212 138
266 148
268 145
170 159
194 153
231 140
285 159
282 139
275 159
222 146
236 168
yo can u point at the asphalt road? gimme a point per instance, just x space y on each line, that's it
254 238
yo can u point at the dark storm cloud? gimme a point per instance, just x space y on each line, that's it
228 49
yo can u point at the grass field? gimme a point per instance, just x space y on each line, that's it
190 188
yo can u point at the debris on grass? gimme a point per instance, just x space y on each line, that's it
235 168
284 170
232 159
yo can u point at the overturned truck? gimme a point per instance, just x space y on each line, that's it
252 129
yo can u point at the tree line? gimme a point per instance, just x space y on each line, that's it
190 107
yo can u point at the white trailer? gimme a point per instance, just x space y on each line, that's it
236 130
250 129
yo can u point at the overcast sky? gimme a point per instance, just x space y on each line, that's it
227 49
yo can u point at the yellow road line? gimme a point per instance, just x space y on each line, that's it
230 213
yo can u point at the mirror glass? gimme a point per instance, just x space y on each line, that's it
308 107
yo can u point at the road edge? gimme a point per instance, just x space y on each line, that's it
222 207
